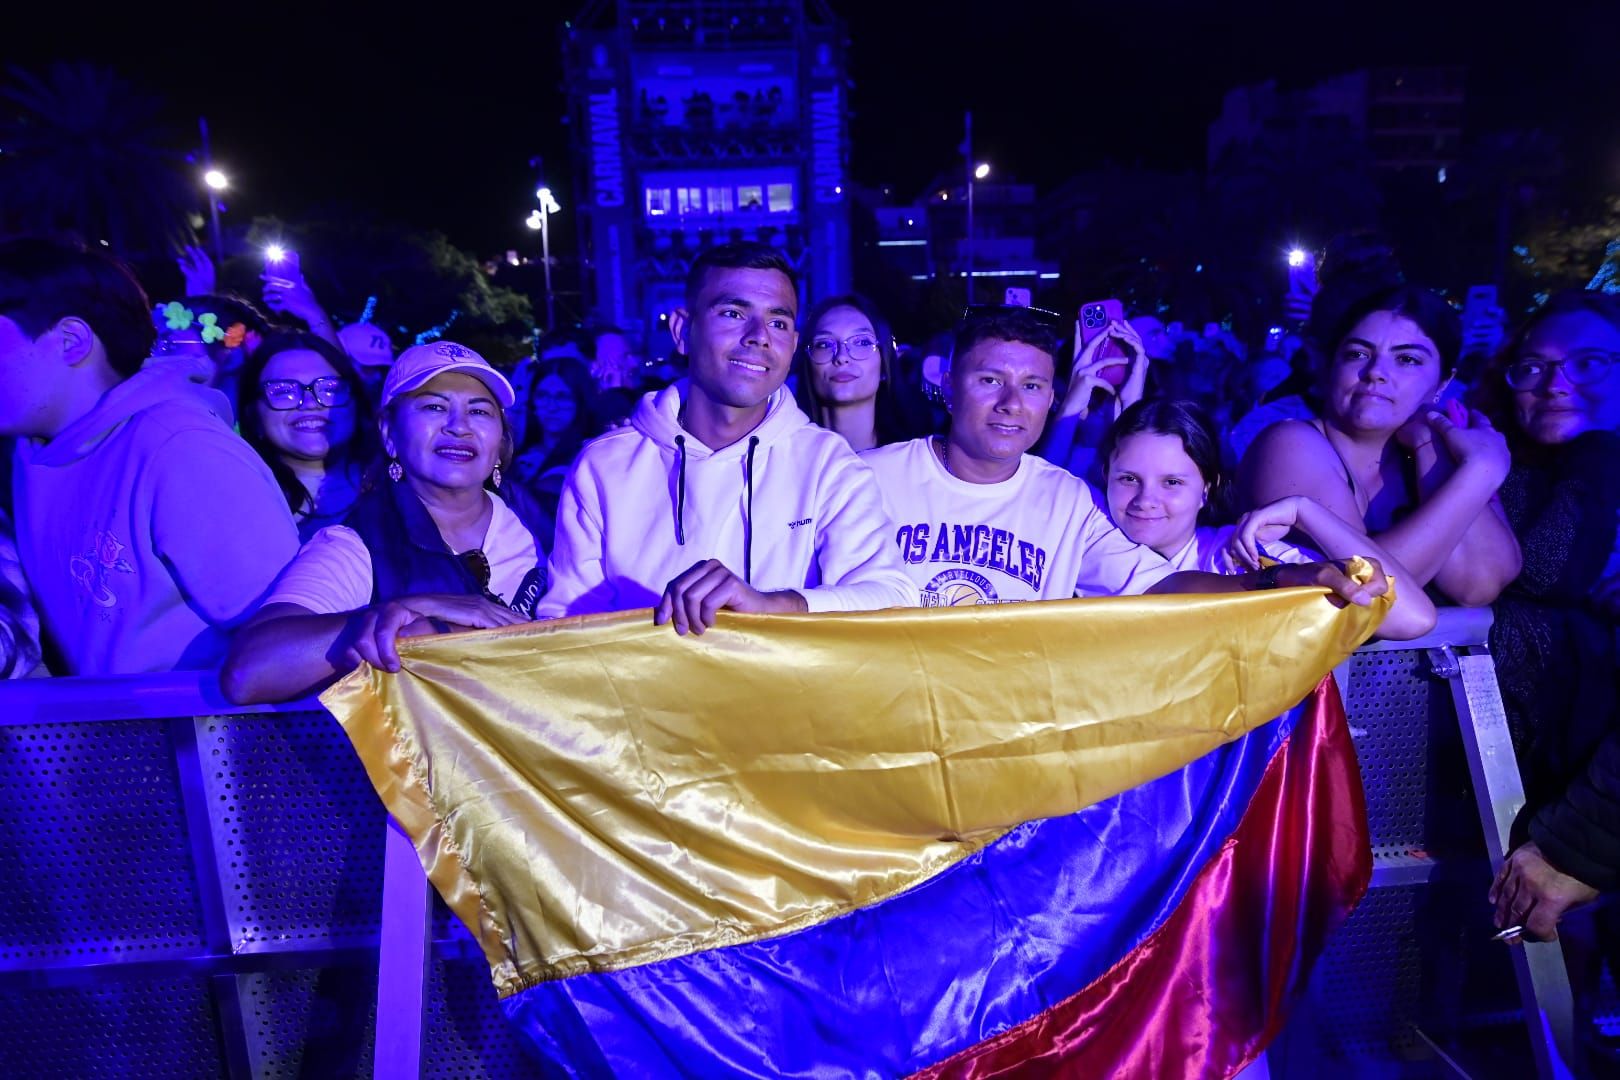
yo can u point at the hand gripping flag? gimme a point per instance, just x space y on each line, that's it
1099 837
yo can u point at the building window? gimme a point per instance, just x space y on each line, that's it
781 198
689 200
751 197
657 201
720 201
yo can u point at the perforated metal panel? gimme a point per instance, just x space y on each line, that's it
298 831
318 1022
466 1036
1419 798
1411 958
160 1028
93 846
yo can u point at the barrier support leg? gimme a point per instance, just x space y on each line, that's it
405 950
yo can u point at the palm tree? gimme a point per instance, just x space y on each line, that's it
83 151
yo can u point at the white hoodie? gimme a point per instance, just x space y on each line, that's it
643 504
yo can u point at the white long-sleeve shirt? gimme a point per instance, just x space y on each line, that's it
790 506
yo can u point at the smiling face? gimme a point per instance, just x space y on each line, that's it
1554 409
843 379
999 394
739 335
1155 491
1383 371
309 431
448 433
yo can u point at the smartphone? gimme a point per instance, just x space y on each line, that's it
280 265
1302 286
1017 297
1094 319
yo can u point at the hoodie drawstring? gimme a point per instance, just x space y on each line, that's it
748 526
680 491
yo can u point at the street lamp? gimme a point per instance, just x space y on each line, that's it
982 171
216 181
548 206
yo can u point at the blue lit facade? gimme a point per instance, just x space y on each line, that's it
699 123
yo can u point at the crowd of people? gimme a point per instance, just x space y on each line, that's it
197 483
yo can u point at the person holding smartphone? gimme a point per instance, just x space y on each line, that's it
1109 374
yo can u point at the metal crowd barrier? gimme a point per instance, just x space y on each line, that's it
194 889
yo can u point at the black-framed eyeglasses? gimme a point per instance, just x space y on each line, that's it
328 390
859 347
1580 368
1050 318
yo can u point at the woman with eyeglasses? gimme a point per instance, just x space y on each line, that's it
302 406
844 375
1380 454
435 544
1556 388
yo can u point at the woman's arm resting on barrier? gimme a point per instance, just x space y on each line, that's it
286 651
1412 614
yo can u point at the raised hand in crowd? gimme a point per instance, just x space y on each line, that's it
287 292
694 598
197 269
1090 364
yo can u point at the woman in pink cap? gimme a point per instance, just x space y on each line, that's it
436 544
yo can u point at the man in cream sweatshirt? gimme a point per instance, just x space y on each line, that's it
721 495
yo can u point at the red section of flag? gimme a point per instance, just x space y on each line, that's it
1208 990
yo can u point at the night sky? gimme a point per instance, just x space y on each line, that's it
433 121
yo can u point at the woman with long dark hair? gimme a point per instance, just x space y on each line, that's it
559 419
303 407
844 375
1380 454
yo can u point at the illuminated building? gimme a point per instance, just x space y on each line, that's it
695 124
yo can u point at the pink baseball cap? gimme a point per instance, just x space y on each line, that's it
367 345
419 364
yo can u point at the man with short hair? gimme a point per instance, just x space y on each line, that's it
721 494
145 525
980 520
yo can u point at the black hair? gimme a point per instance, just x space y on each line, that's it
583 340
1360 275
897 417
1491 395
44 280
231 309
1006 324
362 444
742 255
1187 421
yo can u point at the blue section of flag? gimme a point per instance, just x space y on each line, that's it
985 945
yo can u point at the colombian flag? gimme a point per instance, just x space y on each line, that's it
1089 838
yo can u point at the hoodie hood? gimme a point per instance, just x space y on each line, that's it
657 416
158 384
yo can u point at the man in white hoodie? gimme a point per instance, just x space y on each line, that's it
721 494
145 525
